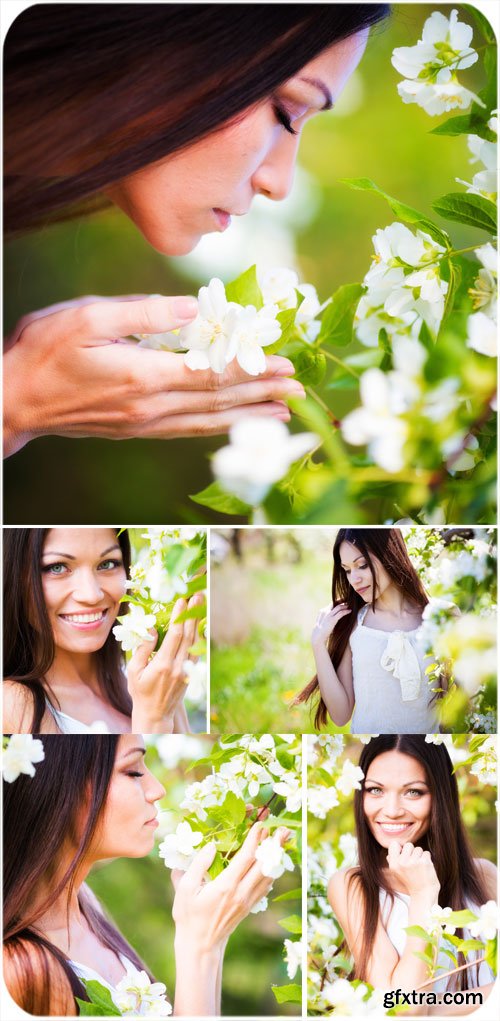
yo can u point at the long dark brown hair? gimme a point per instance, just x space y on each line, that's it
94 92
40 813
446 839
388 546
28 643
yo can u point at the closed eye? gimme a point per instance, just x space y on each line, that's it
284 118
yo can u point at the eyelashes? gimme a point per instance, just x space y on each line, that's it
284 119
135 774
59 568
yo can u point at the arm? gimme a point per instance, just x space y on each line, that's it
411 870
18 706
68 371
205 915
158 684
336 688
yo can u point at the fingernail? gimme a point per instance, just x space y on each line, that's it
184 308
286 368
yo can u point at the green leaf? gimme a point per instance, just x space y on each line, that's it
427 956
460 918
288 994
491 954
217 866
91 1010
338 317
194 612
286 320
292 923
310 366
196 584
245 289
473 210
417 930
289 895
469 124
100 997
215 497
234 808
400 209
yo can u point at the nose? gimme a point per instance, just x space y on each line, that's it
87 587
274 176
154 789
392 807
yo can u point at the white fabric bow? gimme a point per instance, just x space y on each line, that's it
399 658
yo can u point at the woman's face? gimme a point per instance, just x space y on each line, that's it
357 570
176 200
83 581
129 819
396 799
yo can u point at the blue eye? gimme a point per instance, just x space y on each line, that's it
56 569
110 565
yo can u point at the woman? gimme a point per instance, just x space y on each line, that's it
64 669
92 799
126 104
368 660
413 854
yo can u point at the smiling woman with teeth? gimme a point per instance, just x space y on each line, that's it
413 854
64 670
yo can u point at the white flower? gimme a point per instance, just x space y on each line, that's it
349 1001
22 751
349 779
376 422
483 151
485 768
320 800
161 585
135 995
261 905
438 920
272 858
487 924
134 627
467 447
178 849
197 678
289 787
251 332
482 334
279 287
206 338
370 318
430 67
348 844
260 453
293 956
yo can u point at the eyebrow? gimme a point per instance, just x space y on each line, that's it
409 783
68 556
361 557
134 751
318 84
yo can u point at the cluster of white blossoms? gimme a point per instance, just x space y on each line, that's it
272 858
343 998
485 181
403 286
179 849
20 755
444 921
469 641
482 325
134 628
485 765
430 68
225 330
260 452
293 956
136 996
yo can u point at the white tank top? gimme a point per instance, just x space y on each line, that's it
391 690
395 921
68 725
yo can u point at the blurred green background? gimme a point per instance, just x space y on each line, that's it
138 894
265 595
325 229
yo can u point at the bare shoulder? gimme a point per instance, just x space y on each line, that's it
489 875
17 707
340 890
30 972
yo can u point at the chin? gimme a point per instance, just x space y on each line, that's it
165 244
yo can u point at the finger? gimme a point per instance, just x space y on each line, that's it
188 638
173 637
170 372
216 424
106 320
139 661
158 403
245 857
195 875
394 853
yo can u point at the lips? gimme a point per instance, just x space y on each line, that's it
361 591
394 828
88 621
223 218
152 822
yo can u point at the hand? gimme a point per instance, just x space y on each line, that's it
206 913
70 372
157 685
411 868
327 621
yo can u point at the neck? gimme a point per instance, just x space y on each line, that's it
63 913
392 601
73 668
